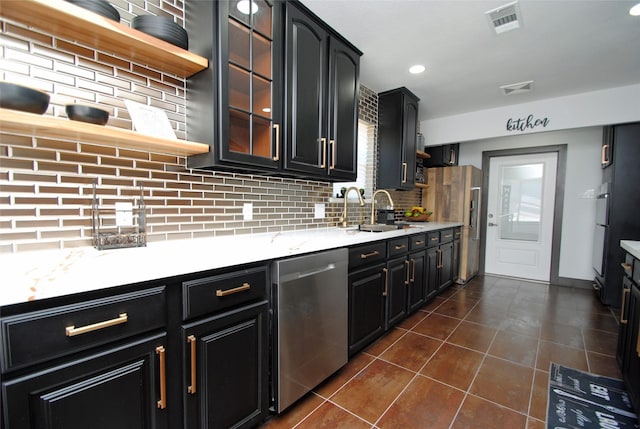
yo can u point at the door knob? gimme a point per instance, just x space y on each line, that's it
492 224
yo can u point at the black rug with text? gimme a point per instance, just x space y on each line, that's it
578 399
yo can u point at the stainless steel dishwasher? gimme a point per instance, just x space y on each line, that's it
309 304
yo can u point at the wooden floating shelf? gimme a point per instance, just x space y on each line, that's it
422 185
423 155
72 22
12 121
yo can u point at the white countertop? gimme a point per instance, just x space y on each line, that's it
633 247
30 276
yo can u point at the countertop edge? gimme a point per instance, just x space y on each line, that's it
633 247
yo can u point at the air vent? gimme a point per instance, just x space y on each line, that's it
516 88
505 18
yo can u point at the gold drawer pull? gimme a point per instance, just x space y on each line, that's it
386 281
191 339
399 246
368 255
245 286
625 291
626 266
419 242
447 236
162 403
72 331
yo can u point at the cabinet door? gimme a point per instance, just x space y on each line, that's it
122 387
431 271
366 306
305 145
455 263
417 284
446 265
397 285
225 369
344 65
631 367
410 136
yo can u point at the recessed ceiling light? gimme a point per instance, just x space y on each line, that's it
245 7
418 68
635 10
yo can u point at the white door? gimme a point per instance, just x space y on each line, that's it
520 211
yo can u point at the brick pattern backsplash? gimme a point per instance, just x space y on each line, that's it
46 185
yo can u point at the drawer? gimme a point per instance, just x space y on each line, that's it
433 238
397 246
47 334
367 254
417 242
446 235
210 294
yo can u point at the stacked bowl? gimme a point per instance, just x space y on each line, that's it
101 7
162 28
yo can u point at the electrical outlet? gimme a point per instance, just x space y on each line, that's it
319 211
247 211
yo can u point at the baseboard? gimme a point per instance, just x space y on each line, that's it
577 283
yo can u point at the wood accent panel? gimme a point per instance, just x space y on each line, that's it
12 121
72 22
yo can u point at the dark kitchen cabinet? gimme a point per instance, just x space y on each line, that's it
439 262
321 118
455 263
120 387
623 199
397 136
442 156
397 291
225 382
417 286
366 306
235 104
628 352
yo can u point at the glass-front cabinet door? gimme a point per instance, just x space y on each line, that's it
250 82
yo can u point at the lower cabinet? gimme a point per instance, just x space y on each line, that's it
121 387
417 289
225 382
396 290
628 352
366 306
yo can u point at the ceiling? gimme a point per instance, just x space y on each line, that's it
565 46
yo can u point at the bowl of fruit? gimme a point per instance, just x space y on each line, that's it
417 214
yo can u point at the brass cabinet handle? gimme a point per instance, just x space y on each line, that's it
162 403
447 236
332 148
603 159
277 128
626 266
323 141
399 246
191 339
625 291
72 331
368 255
404 172
439 263
434 239
452 156
406 266
413 271
386 281
419 242
245 286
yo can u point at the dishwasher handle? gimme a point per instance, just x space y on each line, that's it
309 273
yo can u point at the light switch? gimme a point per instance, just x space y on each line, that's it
319 211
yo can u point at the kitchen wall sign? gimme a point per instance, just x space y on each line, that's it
528 123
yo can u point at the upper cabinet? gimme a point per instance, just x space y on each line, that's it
397 136
321 99
442 156
236 103
281 96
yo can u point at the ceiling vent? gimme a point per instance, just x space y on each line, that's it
505 18
516 88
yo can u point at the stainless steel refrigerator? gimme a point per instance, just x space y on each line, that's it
454 195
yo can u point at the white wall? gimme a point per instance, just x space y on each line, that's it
583 176
595 108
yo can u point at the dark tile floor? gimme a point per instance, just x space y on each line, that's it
475 357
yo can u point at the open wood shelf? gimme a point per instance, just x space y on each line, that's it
12 121
423 155
72 22
422 185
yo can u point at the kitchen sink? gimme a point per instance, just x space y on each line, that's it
381 227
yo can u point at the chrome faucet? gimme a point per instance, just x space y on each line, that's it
373 203
344 209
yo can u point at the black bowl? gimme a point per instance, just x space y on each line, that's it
92 115
101 7
18 97
162 28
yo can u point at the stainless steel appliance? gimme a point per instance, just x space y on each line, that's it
309 303
454 195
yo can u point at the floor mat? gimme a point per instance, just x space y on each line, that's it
578 399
